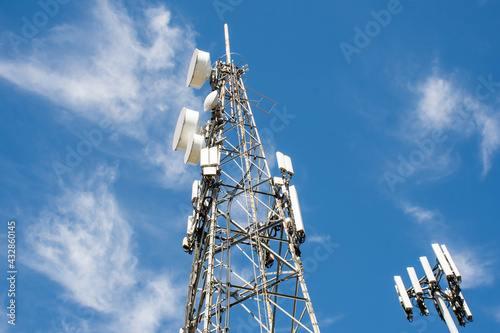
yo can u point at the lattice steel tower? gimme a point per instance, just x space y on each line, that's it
246 228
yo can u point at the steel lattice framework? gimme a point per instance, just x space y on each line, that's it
246 271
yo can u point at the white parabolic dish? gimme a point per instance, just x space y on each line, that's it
199 69
188 124
210 101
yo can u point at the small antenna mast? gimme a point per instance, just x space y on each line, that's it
228 51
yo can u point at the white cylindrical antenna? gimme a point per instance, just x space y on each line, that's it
400 288
446 314
228 50
452 263
428 270
445 266
414 281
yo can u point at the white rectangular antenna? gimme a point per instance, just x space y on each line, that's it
214 157
194 190
468 314
288 165
445 266
190 225
400 288
281 161
428 270
414 281
451 262
204 157
297 214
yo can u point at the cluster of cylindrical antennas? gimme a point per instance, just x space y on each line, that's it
428 288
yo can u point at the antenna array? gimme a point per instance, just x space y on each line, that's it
428 287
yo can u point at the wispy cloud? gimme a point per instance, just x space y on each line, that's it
319 238
83 243
420 214
438 102
474 267
104 75
490 139
331 320
110 65
443 105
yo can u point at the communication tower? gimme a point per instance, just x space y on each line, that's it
246 227
429 287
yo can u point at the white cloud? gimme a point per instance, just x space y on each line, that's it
172 170
109 65
97 68
331 320
320 239
438 102
83 243
420 214
490 139
443 105
474 268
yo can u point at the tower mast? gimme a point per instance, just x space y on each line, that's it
246 228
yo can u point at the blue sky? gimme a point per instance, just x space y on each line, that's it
394 133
